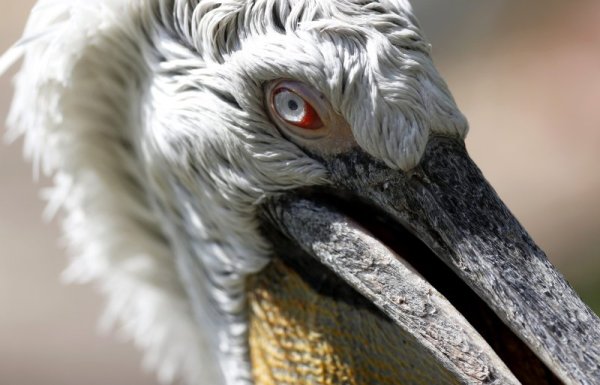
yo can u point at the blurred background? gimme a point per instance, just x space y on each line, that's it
527 76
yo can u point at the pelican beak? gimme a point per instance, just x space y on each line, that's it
442 257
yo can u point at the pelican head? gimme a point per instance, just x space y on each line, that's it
278 192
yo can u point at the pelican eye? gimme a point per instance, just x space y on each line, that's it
295 110
304 116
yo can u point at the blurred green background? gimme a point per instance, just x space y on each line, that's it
527 76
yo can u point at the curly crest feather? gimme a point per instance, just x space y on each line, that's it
149 116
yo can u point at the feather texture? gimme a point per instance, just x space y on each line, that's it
149 116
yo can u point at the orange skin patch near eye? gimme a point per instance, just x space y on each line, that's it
311 120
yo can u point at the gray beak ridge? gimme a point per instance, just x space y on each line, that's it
446 203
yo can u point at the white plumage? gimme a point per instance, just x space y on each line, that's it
150 117
141 104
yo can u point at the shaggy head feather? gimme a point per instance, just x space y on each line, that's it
150 117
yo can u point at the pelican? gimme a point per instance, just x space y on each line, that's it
278 192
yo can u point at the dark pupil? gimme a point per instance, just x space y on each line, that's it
293 105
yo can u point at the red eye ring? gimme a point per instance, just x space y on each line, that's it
307 118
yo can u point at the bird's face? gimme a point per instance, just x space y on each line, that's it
290 177
330 147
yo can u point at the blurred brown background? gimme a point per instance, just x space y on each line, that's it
526 74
